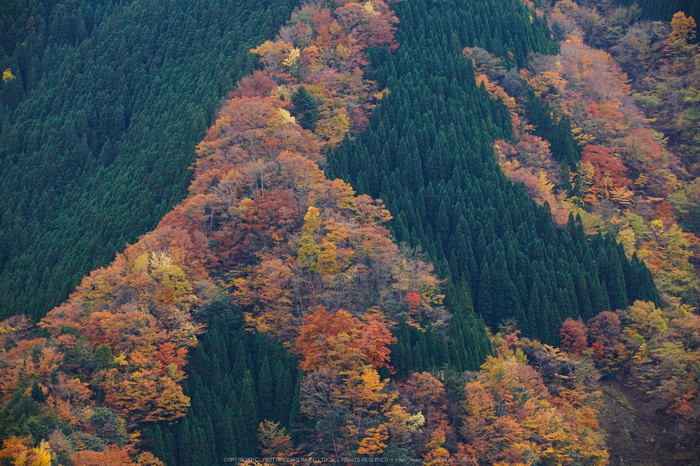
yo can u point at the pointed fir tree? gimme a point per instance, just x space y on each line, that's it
249 405
187 447
265 391
171 450
615 284
485 301
305 109
37 393
208 447
284 393
245 444
158 445
226 436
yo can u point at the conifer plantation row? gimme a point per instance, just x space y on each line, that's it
235 381
100 112
428 153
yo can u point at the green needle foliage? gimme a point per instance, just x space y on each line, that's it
663 10
428 154
233 387
305 108
99 125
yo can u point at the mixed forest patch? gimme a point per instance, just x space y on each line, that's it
428 152
629 114
280 312
101 106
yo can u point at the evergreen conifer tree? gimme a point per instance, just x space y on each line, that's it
37 393
616 282
249 406
305 108
284 393
158 447
187 447
226 436
265 391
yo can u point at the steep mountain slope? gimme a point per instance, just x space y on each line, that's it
324 338
632 182
265 240
415 350
102 105
428 153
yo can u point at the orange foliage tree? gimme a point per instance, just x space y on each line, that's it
609 181
343 341
341 355
427 395
511 417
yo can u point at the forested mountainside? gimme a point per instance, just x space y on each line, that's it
278 312
632 111
428 152
102 104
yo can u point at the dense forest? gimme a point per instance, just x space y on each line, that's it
631 108
449 196
664 10
422 231
102 104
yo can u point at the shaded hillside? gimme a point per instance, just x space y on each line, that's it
663 10
631 182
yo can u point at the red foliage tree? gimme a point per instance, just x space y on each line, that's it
573 336
604 337
258 84
322 22
608 173
605 328
413 300
111 456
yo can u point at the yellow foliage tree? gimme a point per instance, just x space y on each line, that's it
682 28
17 450
646 319
373 443
7 75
